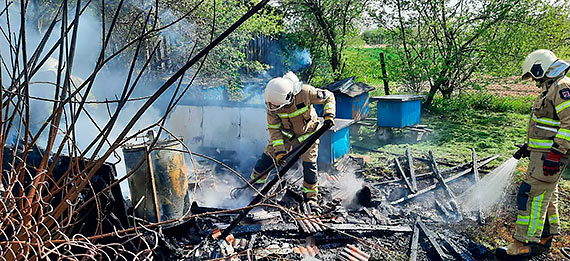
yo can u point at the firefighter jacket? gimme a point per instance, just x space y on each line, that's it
298 121
549 125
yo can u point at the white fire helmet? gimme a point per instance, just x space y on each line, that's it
297 85
280 91
543 63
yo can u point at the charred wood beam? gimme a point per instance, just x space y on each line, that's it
443 183
399 168
459 250
432 187
438 176
415 241
476 174
292 228
412 169
469 165
442 208
398 154
432 239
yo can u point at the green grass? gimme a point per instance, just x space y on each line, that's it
491 125
364 63
453 137
481 101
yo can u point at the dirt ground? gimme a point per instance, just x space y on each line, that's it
509 86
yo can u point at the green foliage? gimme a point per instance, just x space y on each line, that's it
372 37
364 63
191 26
324 27
465 104
443 44
225 61
546 26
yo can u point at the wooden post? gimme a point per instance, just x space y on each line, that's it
399 167
476 174
412 170
384 74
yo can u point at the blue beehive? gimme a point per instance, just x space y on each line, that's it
352 99
335 143
398 110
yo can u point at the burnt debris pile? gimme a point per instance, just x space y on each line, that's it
401 217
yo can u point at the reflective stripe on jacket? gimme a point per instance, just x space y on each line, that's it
549 125
299 120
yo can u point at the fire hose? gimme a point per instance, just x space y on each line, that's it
292 158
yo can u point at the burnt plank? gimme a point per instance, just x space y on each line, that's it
291 227
432 187
415 240
443 183
423 176
476 174
399 167
412 169
432 239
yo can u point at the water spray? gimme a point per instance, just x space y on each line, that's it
490 189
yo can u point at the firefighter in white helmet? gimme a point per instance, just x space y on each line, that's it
548 144
291 119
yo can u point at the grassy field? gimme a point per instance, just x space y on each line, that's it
365 64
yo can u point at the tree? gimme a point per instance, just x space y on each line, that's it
323 27
547 26
443 43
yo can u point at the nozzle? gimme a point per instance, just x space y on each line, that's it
522 152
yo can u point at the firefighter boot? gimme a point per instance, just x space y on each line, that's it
546 242
515 251
310 186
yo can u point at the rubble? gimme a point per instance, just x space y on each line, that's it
369 227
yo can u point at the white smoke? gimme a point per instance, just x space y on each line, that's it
108 84
347 184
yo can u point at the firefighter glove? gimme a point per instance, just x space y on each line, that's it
523 152
279 157
329 120
551 164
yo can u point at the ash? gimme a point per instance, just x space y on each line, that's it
361 219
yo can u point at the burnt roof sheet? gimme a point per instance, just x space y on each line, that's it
349 87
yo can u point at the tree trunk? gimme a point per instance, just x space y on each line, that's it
335 60
432 91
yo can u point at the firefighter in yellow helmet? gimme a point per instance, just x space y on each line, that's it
548 142
291 119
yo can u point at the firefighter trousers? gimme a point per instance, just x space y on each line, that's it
310 171
537 202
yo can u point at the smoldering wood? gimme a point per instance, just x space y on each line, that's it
480 217
449 179
401 171
412 169
433 241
